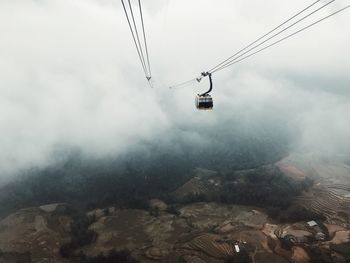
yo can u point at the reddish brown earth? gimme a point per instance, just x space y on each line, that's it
199 232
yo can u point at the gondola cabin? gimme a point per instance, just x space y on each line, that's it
204 102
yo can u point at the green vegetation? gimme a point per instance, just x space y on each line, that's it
152 171
15 257
242 257
81 235
173 210
112 257
266 187
341 248
319 255
294 213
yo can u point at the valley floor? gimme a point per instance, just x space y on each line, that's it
196 232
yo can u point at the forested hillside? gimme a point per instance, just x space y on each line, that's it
150 170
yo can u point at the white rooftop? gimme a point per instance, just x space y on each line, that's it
312 223
237 248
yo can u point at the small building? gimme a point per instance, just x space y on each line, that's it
237 249
320 234
312 223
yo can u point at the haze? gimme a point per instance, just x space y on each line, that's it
70 77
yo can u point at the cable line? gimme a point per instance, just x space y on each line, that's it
278 33
141 48
144 37
235 59
289 36
260 38
183 83
205 101
138 38
134 38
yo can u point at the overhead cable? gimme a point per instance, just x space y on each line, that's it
265 35
140 48
289 36
134 38
145 41
239 56
183 84
273 36
138 38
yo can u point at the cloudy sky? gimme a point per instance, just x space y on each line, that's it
70 74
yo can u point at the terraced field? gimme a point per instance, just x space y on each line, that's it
330 195
325 201
197 232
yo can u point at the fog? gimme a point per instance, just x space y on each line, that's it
70 77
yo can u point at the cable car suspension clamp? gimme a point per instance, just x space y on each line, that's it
205 74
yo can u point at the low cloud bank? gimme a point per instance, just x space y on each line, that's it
70 78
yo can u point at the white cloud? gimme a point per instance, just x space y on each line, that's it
69 74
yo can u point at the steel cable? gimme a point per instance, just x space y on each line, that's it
289 36
134 38
138 39
265 35
275 35
144 37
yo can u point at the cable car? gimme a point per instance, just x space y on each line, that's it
205 101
